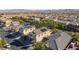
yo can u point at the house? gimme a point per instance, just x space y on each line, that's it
40 33
3 19
28 29
37 18
72 26
12 25
8 23
26 24
1 23
58 41
16 25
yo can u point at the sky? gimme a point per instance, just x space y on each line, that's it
39 4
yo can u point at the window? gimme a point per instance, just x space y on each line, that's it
44 32
39 35
30 29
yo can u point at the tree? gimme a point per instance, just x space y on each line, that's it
76 37
55 30
3 42
0 15
16 18
47 23
39 46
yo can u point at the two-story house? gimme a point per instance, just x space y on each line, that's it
58 41
40 33
28 29
16 25
8 23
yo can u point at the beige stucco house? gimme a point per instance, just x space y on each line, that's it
8 23
40 33
28 29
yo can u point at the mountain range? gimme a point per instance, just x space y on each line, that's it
43 11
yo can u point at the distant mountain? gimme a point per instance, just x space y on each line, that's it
15 10
42 11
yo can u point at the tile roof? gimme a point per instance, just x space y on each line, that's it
40 30
59 40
